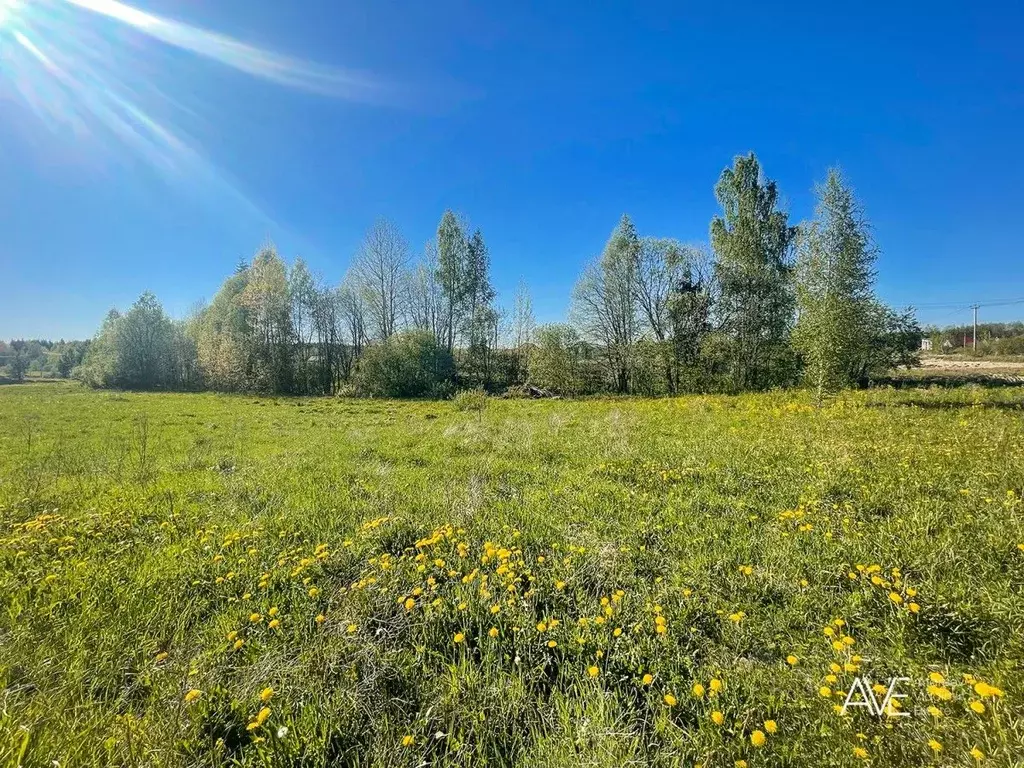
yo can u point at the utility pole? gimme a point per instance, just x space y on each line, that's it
975 308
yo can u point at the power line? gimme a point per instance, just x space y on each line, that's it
966 304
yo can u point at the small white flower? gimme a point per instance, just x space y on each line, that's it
282 731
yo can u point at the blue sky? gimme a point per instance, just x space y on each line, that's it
542 122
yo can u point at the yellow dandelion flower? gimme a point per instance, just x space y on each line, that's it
320 618
717 717
541 626
716 685
824 691
552 644
792 660
771 726
266 694
160 657
936 677
313 591
935 745
459 637
914 608
940 692
274 623
984 689
860 752
260 718
977 754
273 611
757 738
238 643
255 618
593 671
351 629
698 690
647 679
935 712
670 699
192 695
977 706
408 741
232 635
896 597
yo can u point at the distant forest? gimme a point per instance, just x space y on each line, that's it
765 304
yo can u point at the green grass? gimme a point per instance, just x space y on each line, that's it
138 525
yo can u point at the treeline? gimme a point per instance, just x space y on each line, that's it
768 303
41 358
994 339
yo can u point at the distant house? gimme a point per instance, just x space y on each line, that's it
926 345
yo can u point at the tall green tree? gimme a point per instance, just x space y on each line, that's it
268 313
224 337
136 350
18 359
303 297
752 242
452 252
481 318
835 274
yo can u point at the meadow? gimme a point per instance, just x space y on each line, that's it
198 579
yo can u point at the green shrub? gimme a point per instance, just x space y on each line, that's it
470 400
410 364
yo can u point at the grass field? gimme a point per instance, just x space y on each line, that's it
221 580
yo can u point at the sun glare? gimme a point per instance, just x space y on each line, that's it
79 77
7 9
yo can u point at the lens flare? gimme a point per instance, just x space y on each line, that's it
233 53
89 71
6 9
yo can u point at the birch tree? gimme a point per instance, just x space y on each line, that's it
379 271
835 274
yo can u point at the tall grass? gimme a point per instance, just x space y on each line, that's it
623 582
